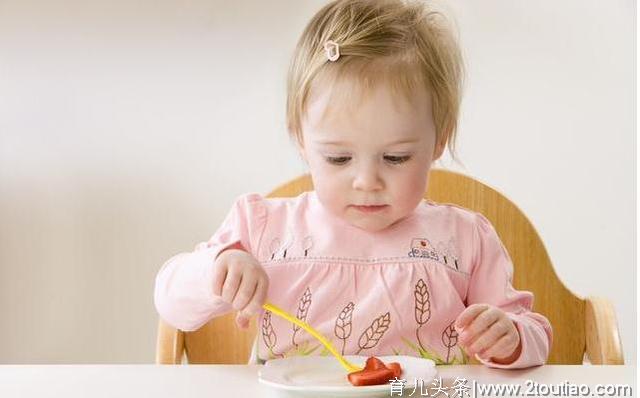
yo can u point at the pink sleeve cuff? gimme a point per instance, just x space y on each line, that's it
535 341
183 294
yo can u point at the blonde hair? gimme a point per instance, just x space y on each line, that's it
403 42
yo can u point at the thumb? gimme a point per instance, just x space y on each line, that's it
242 320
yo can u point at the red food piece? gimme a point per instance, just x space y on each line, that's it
375 372
397 369
370 377
374 363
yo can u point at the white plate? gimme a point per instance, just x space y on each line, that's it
316 376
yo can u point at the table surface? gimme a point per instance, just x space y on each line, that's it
224 380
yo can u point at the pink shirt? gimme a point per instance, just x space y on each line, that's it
397 291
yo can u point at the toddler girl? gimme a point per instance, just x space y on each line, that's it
373 100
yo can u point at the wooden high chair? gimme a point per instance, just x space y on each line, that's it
580 325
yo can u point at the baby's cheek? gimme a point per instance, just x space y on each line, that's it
411 192
330 194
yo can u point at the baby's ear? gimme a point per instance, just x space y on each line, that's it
301 149
439 149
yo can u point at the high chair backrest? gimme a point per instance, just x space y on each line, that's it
579 325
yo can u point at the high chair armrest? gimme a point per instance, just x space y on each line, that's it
603 344
170 344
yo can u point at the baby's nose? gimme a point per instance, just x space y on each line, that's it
368 179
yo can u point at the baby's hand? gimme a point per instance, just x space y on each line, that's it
488 332
242 282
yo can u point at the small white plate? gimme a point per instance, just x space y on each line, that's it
316 376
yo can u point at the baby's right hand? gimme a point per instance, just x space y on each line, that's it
242 282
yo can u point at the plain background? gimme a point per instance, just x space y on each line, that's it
127 129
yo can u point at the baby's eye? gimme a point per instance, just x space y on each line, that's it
338 160
393 159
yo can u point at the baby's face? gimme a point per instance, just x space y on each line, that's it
369 161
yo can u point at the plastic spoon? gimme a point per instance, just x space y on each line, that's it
349 367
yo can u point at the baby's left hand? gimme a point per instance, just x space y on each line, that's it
487 331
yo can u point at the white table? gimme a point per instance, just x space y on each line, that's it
241 381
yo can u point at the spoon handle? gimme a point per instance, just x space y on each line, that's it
349 367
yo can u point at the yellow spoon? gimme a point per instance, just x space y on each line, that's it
349 367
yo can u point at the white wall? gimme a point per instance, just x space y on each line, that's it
127 129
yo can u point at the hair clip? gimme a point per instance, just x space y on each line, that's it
333 50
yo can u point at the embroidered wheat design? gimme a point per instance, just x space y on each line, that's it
268 335
422 307
303 310
343 324
372 335
449 338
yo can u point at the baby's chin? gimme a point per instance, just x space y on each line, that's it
372 225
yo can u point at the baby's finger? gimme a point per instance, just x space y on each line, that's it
479 325
244 315
486 339
245 291
219 275
231 284
259 297
502 348
469 314
242 321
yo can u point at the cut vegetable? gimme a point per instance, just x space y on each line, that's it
397 370
371 377
374 363
375 372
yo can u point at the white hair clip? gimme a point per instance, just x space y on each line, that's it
333 50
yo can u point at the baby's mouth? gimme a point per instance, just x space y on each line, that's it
370 208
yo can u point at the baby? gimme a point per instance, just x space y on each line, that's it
374 93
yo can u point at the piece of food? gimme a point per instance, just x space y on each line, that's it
374 363
375 372
397 369
370 377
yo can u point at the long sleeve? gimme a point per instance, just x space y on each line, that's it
491 283
183 289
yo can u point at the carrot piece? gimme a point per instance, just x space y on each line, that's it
375 372
374 363
370 377
396 368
